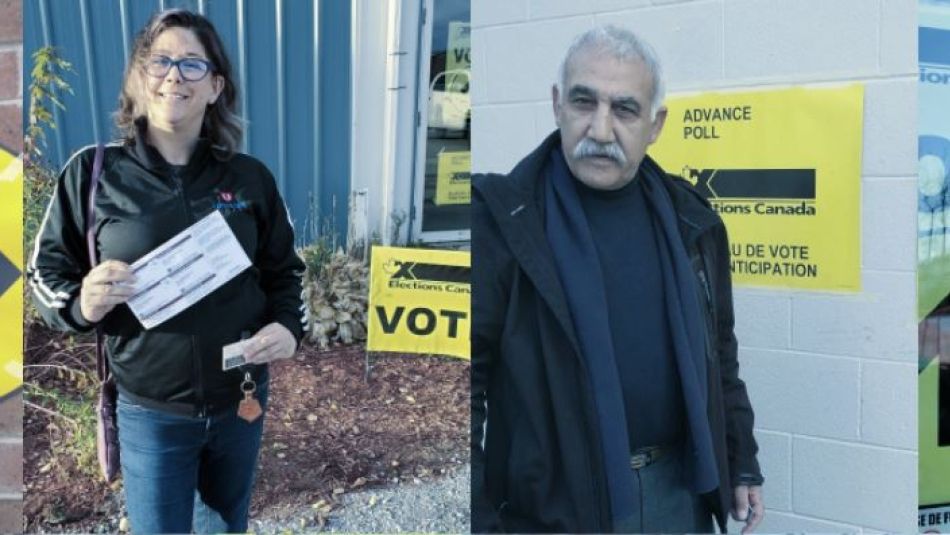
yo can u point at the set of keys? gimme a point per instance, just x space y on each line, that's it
249 409
232 356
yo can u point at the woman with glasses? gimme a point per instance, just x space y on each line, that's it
189 429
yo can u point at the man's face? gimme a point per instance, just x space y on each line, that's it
604 117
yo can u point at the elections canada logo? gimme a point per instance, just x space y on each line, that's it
423 276
768 192
789 192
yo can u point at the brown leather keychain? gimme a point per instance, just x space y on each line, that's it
249 409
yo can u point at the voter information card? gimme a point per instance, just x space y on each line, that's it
232 355
178 273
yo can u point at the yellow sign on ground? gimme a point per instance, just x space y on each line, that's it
11 281
453 183
783 169
419 301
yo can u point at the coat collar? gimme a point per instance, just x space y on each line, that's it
149 156
517 206
695 214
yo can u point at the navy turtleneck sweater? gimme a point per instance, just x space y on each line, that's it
624 236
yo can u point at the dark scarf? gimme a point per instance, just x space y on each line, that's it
582 279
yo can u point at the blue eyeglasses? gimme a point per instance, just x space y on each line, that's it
191 69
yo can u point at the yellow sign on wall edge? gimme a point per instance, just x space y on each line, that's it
11 298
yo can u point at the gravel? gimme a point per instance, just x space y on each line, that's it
437 505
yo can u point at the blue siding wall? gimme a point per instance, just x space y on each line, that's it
292 61
335 109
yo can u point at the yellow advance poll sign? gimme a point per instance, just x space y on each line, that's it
419 301
783 169
11 281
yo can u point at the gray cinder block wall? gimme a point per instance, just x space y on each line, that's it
833 377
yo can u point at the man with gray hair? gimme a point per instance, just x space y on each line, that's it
605 387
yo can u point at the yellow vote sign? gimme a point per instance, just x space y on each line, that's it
419 301
11 281
783 169
453 183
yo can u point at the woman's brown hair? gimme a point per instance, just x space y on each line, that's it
222 125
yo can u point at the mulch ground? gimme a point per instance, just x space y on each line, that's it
328 431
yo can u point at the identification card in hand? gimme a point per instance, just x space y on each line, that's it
232 355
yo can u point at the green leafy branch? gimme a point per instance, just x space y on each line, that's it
46 82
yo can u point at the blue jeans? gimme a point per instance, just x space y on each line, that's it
667 502
183 473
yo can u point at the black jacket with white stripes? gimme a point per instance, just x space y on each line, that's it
143 201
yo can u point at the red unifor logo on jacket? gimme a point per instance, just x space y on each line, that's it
227 202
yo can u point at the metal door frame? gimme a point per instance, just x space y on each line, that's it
422 120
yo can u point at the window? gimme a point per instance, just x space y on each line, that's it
443 174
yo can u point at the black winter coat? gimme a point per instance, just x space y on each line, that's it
142 201
536 456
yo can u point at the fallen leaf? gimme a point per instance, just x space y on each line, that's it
322 508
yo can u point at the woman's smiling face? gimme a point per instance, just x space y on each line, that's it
173 103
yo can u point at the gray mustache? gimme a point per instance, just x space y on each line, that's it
588 148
